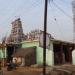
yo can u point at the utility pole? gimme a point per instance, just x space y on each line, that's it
44 37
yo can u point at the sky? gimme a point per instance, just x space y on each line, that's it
31 12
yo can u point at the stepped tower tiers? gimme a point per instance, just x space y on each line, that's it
73 9
17 34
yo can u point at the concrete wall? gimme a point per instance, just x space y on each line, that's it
39 52
73 57
2 53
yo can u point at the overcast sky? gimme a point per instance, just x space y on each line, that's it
31 12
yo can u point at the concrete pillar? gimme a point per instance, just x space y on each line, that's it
73 57
23 62
62 55
69 54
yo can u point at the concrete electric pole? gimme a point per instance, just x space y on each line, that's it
44 37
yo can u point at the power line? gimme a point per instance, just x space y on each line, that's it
64 1
13 12
50 1
59 27
20 8
55 19
62 10
57 24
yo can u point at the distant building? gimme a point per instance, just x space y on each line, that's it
15 38
34 34
27 49
17 34
30 52
59 52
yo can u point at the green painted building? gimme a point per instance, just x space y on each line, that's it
39 52
2 52
59 52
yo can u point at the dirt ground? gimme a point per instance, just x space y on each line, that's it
66 69
21 71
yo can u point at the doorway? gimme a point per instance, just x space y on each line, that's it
62 55
10 50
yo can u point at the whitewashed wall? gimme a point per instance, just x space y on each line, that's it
73 57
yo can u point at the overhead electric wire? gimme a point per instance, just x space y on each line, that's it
19 8
34 5
62 10
59 27
55 19
11 14
64 1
